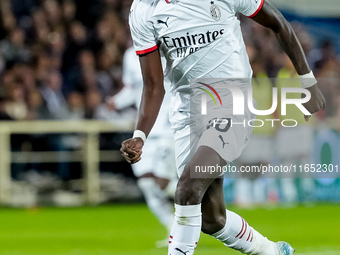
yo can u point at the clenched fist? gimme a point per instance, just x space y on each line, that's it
132 149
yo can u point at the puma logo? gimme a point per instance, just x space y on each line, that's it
163 22
185 253
224 143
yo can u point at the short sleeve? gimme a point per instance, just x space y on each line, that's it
142 32
249 8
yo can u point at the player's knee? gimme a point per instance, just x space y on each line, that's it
211 226
186 193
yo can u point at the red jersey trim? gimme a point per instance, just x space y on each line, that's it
141 52
257 11
168 1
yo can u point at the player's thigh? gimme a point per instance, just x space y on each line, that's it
192 185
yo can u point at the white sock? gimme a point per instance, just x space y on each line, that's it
157 201
238 235
186 230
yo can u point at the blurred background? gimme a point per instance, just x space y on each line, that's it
60 63
60 60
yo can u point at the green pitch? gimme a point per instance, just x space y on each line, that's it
132 229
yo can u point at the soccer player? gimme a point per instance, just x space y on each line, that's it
156 175
202 39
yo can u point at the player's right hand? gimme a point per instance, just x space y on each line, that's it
132 149
317 101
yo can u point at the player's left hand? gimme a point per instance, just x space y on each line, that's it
132 150
317 101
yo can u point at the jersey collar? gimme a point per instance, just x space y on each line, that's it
168 1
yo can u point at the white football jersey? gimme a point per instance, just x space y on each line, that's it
198 38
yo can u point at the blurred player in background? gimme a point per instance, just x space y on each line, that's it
202 39
156 172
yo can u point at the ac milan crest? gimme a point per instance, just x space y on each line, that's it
215 11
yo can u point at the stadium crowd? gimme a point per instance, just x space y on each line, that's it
61 59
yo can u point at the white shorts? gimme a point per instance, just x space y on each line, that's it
158 157
228 142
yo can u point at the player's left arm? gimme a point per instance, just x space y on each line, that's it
271 17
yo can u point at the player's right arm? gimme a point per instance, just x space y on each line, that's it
144 41
152 97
